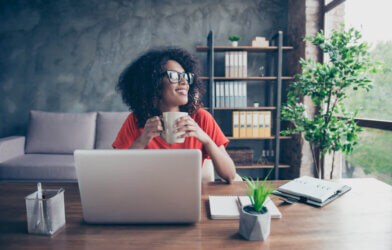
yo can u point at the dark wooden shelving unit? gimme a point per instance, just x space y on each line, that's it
251 78
244 48
246 108
258 138
273 93
257 166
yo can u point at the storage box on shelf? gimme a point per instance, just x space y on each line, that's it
241 156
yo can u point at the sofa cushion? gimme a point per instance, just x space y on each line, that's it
108 125
60 133
39 167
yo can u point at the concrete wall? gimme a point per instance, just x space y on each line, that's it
66 55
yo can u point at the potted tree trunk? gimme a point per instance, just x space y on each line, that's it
255 219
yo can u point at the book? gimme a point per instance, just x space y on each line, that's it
236 65
231 94
249 129
240 62
236 122
228 207
240 94
245 94
261 123
245 63
217 94
242 124
227 95
222 94
311 190
267 123
236 94
231 64
255 124
226 64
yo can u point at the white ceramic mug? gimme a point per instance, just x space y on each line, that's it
169 119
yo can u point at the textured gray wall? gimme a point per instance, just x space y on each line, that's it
66 55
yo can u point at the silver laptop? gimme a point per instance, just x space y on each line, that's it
139 186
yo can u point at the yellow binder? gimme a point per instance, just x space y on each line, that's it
255 124
267 124
242 124
236 122
261 123
249 129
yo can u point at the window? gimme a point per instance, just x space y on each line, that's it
373 155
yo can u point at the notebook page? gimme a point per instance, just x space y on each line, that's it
226 207
269 204
315 189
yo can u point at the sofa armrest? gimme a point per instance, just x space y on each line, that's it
11 147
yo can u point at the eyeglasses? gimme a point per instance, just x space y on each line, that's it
175 77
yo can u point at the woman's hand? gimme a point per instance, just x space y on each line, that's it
191 128
223 164
152 128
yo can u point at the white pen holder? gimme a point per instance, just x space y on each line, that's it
46 215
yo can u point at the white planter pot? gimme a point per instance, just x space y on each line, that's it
254 225
234 44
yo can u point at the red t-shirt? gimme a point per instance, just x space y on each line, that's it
129 132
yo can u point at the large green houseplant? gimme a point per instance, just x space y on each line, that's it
347 66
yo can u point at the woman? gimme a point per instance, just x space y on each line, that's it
168 80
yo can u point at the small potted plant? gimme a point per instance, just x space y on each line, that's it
255 219
234 40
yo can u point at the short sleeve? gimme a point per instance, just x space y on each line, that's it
209 125
127 134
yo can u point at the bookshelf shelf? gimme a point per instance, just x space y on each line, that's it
243 48
258 138
261 166
251 78
247 108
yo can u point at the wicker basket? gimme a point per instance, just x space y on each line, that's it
241 156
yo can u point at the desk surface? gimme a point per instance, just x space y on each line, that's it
360 219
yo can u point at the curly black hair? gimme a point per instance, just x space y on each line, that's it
140 84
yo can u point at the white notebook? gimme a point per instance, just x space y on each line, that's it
311 188
227 207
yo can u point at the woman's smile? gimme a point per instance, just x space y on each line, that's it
182 91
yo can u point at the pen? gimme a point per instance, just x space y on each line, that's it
41 219
239 203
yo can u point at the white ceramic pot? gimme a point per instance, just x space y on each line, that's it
255 225
234 44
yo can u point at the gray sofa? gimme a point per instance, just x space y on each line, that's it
46 153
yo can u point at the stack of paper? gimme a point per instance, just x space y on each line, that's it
227 207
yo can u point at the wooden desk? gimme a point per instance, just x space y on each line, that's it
360 219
